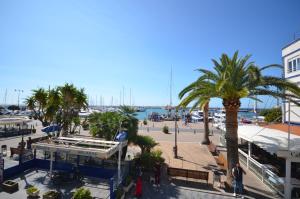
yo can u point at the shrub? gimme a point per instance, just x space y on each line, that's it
105 125
146 143
128 180
85 125
149 159
51 195
31 190
165 129
33 130
145 122
119 192
272 115
82 193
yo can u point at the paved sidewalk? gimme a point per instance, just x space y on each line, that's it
252 184
195 156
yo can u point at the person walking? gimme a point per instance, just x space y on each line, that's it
138 190
237 173
157 174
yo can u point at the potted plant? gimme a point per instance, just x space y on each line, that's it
145 122
10 186
33 191
128 183
82 193
120 194
165 129
51 195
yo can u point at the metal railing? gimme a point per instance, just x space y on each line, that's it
264 174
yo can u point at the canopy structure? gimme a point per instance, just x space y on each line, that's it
13 120
271 140
81 146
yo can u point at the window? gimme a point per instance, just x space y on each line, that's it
294 65
290 68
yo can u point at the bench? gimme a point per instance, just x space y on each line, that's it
195 174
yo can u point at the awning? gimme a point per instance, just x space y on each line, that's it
80 146
13 120
271 140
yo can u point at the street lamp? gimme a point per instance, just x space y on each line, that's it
19 91
175 147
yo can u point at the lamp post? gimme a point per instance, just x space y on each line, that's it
19 91
175 147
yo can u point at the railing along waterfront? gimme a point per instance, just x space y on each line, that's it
264 174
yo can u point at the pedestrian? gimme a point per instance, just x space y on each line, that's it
237 173
157 174
138 190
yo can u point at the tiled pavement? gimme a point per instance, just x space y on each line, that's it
193 155
38 178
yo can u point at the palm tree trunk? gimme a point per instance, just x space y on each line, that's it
206 124
231 136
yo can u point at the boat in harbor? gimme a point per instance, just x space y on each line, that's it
140 109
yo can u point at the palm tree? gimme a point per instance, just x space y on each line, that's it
38 104
235 78
72 100
200 92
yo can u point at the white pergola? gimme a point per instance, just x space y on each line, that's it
82 146
13 120
275 142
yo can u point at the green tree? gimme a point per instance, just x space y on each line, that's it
129 122
37 102
199 92
272 115
234 78
105 125
60 105
108 124
72 100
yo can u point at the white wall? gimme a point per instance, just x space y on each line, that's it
288 53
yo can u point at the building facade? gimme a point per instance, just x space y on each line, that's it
291 63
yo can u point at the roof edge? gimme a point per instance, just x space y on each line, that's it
295 41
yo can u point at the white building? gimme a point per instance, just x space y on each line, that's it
291 62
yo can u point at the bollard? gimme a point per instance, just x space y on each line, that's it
194 131
147 129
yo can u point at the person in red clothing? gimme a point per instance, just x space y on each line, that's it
138 190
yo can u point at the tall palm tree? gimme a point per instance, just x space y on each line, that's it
235 78
72 100
200 92
38 104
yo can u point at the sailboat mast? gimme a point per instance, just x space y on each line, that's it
171 87
5 96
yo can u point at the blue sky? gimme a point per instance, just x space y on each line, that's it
104 46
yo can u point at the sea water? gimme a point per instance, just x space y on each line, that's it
161 111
